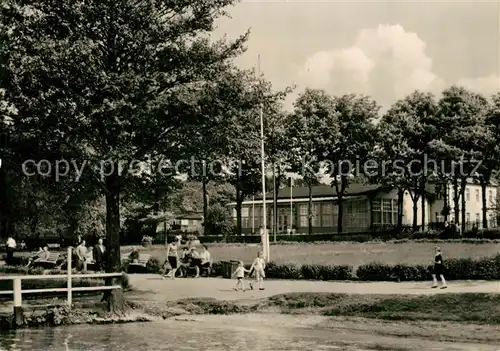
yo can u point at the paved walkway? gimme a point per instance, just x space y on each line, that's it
222 289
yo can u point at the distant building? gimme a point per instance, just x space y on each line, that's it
184 222
366 207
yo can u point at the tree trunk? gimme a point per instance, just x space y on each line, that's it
445 201
400 210
340 187
415 213
485 203
414 197
340 215
204 182
275 202
456 199
463 184
309 209
4 205
113 188
422 200
239 201
113 223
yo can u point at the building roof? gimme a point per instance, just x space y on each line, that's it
189 216
323 191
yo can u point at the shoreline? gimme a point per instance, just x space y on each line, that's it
469 310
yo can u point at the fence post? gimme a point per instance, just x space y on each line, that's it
70 297
18 303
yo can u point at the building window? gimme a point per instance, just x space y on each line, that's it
254 217
245 218
303 212
357 214
467 195
316 215
492 223
326 215
477 195
490 196
385 211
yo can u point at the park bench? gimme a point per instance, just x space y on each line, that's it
50 262
142 261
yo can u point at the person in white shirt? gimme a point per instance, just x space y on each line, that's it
81 255
240 274
204 261
11 247
258 267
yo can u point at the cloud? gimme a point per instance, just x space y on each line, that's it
484 85
386 63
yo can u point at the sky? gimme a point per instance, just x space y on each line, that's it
384 49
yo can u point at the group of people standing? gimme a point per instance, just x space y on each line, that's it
90 255
190 257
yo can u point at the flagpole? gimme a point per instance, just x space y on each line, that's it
253 214
265 237
291 204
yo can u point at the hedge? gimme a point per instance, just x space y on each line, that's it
488 234
487 268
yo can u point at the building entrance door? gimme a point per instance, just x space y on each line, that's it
283 223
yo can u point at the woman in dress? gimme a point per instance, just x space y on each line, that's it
438 269
258 266
172 258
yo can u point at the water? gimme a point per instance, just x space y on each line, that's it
249 332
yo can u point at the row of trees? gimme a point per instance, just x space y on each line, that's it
120 81
461 131
133 80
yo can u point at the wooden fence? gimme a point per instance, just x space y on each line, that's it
18 292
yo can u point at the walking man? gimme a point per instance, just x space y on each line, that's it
81 256
99 255
438 269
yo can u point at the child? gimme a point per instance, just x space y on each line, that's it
258 267
438 269
240 274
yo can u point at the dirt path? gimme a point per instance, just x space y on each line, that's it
222 289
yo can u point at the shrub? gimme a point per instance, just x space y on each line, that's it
405 273
487 268
21 270
218 221
283 271
491 234
326 272
375 272
217 269
153 265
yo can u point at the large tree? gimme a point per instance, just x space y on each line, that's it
408 118
113 81
348 137
304 126
459 133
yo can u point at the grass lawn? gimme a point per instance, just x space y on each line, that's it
468 308
354 254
